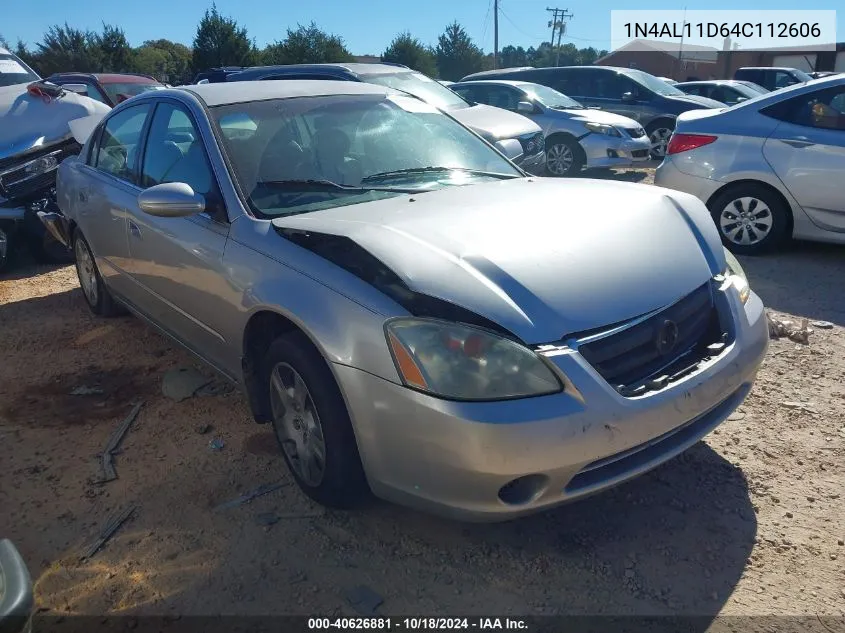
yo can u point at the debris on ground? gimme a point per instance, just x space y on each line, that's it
780 329
271 518
822 325
107 471
204 429
215 388
183 383
217 444
111 526
364 600
86 391
804 406
249 496
267 519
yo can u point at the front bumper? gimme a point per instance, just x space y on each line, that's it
533 163
454 458
608 151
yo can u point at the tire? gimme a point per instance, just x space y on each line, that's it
48 250
564 157
97 296
7 246
303 419
765 224
658 133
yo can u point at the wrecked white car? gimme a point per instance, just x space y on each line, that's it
36 134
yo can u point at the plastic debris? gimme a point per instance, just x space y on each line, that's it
214 388
249 496
779 329
364 600
216 444
111 526
86 391
203 429
107 470
822 325
182 383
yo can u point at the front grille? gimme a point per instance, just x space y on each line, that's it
635 132
635 354
15 183
533 143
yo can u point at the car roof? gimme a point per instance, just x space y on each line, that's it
718 82
493 82
766 68
124 78
354 67
3 51
776 96
241 92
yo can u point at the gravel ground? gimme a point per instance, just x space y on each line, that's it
749 521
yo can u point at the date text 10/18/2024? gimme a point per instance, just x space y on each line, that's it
723 29
418 624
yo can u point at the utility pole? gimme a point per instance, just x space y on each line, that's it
558 24
495 33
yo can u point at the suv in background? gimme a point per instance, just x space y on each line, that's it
108 88
216 75
772 78
650 101
518 137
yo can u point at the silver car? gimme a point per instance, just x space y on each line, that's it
576 136
412 314
728 91
767 168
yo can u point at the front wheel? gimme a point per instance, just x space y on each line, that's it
659 134
7 244
311 423
751 219
563 158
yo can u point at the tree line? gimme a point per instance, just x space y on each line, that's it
221 41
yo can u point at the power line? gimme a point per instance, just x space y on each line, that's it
558 24
513 24
486 21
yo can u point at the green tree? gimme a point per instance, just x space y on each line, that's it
65 49
115 53
165 60
408 50
4 43
511 56
456 54
307 45
220 41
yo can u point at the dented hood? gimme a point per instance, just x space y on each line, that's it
542 258
494 123
28 122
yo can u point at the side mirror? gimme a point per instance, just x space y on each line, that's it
80 89
525 107
629 96
171 200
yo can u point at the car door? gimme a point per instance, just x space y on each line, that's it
110 188
176 263
807 152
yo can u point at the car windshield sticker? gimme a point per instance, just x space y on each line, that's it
409 104
11 67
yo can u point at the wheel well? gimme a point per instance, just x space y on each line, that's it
757 183
261 330
559 136
663 120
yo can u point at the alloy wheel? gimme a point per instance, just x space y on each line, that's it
559 159
746 221
659 141
86 271
297 424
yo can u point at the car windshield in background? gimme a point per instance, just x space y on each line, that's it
757 88
300 155
552 98
420 86
120 92
654 83
12 72
801 76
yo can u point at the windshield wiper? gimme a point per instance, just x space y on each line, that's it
327 185
433 169
567 107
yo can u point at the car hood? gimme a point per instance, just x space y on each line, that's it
494 123
595 116
541 258
28 122
697 100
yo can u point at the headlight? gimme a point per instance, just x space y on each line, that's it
735 275
461 362
603 128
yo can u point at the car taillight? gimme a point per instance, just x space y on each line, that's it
685 142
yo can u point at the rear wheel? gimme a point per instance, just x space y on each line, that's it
751 219
563 157
311 423
97 296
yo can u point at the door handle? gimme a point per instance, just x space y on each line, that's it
797 142
134 230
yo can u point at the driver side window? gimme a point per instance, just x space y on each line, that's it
117 152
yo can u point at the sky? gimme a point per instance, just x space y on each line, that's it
367 26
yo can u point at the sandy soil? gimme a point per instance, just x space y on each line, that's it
750 521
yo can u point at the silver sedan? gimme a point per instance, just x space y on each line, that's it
412 314
768 168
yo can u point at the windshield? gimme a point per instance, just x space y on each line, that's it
121 92
756 88
551 98
13 72
653 83
800 75
420 86
310 153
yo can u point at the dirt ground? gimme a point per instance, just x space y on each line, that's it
750 521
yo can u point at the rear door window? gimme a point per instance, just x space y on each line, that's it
117 151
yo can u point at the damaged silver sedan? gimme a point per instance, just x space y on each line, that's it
413 314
